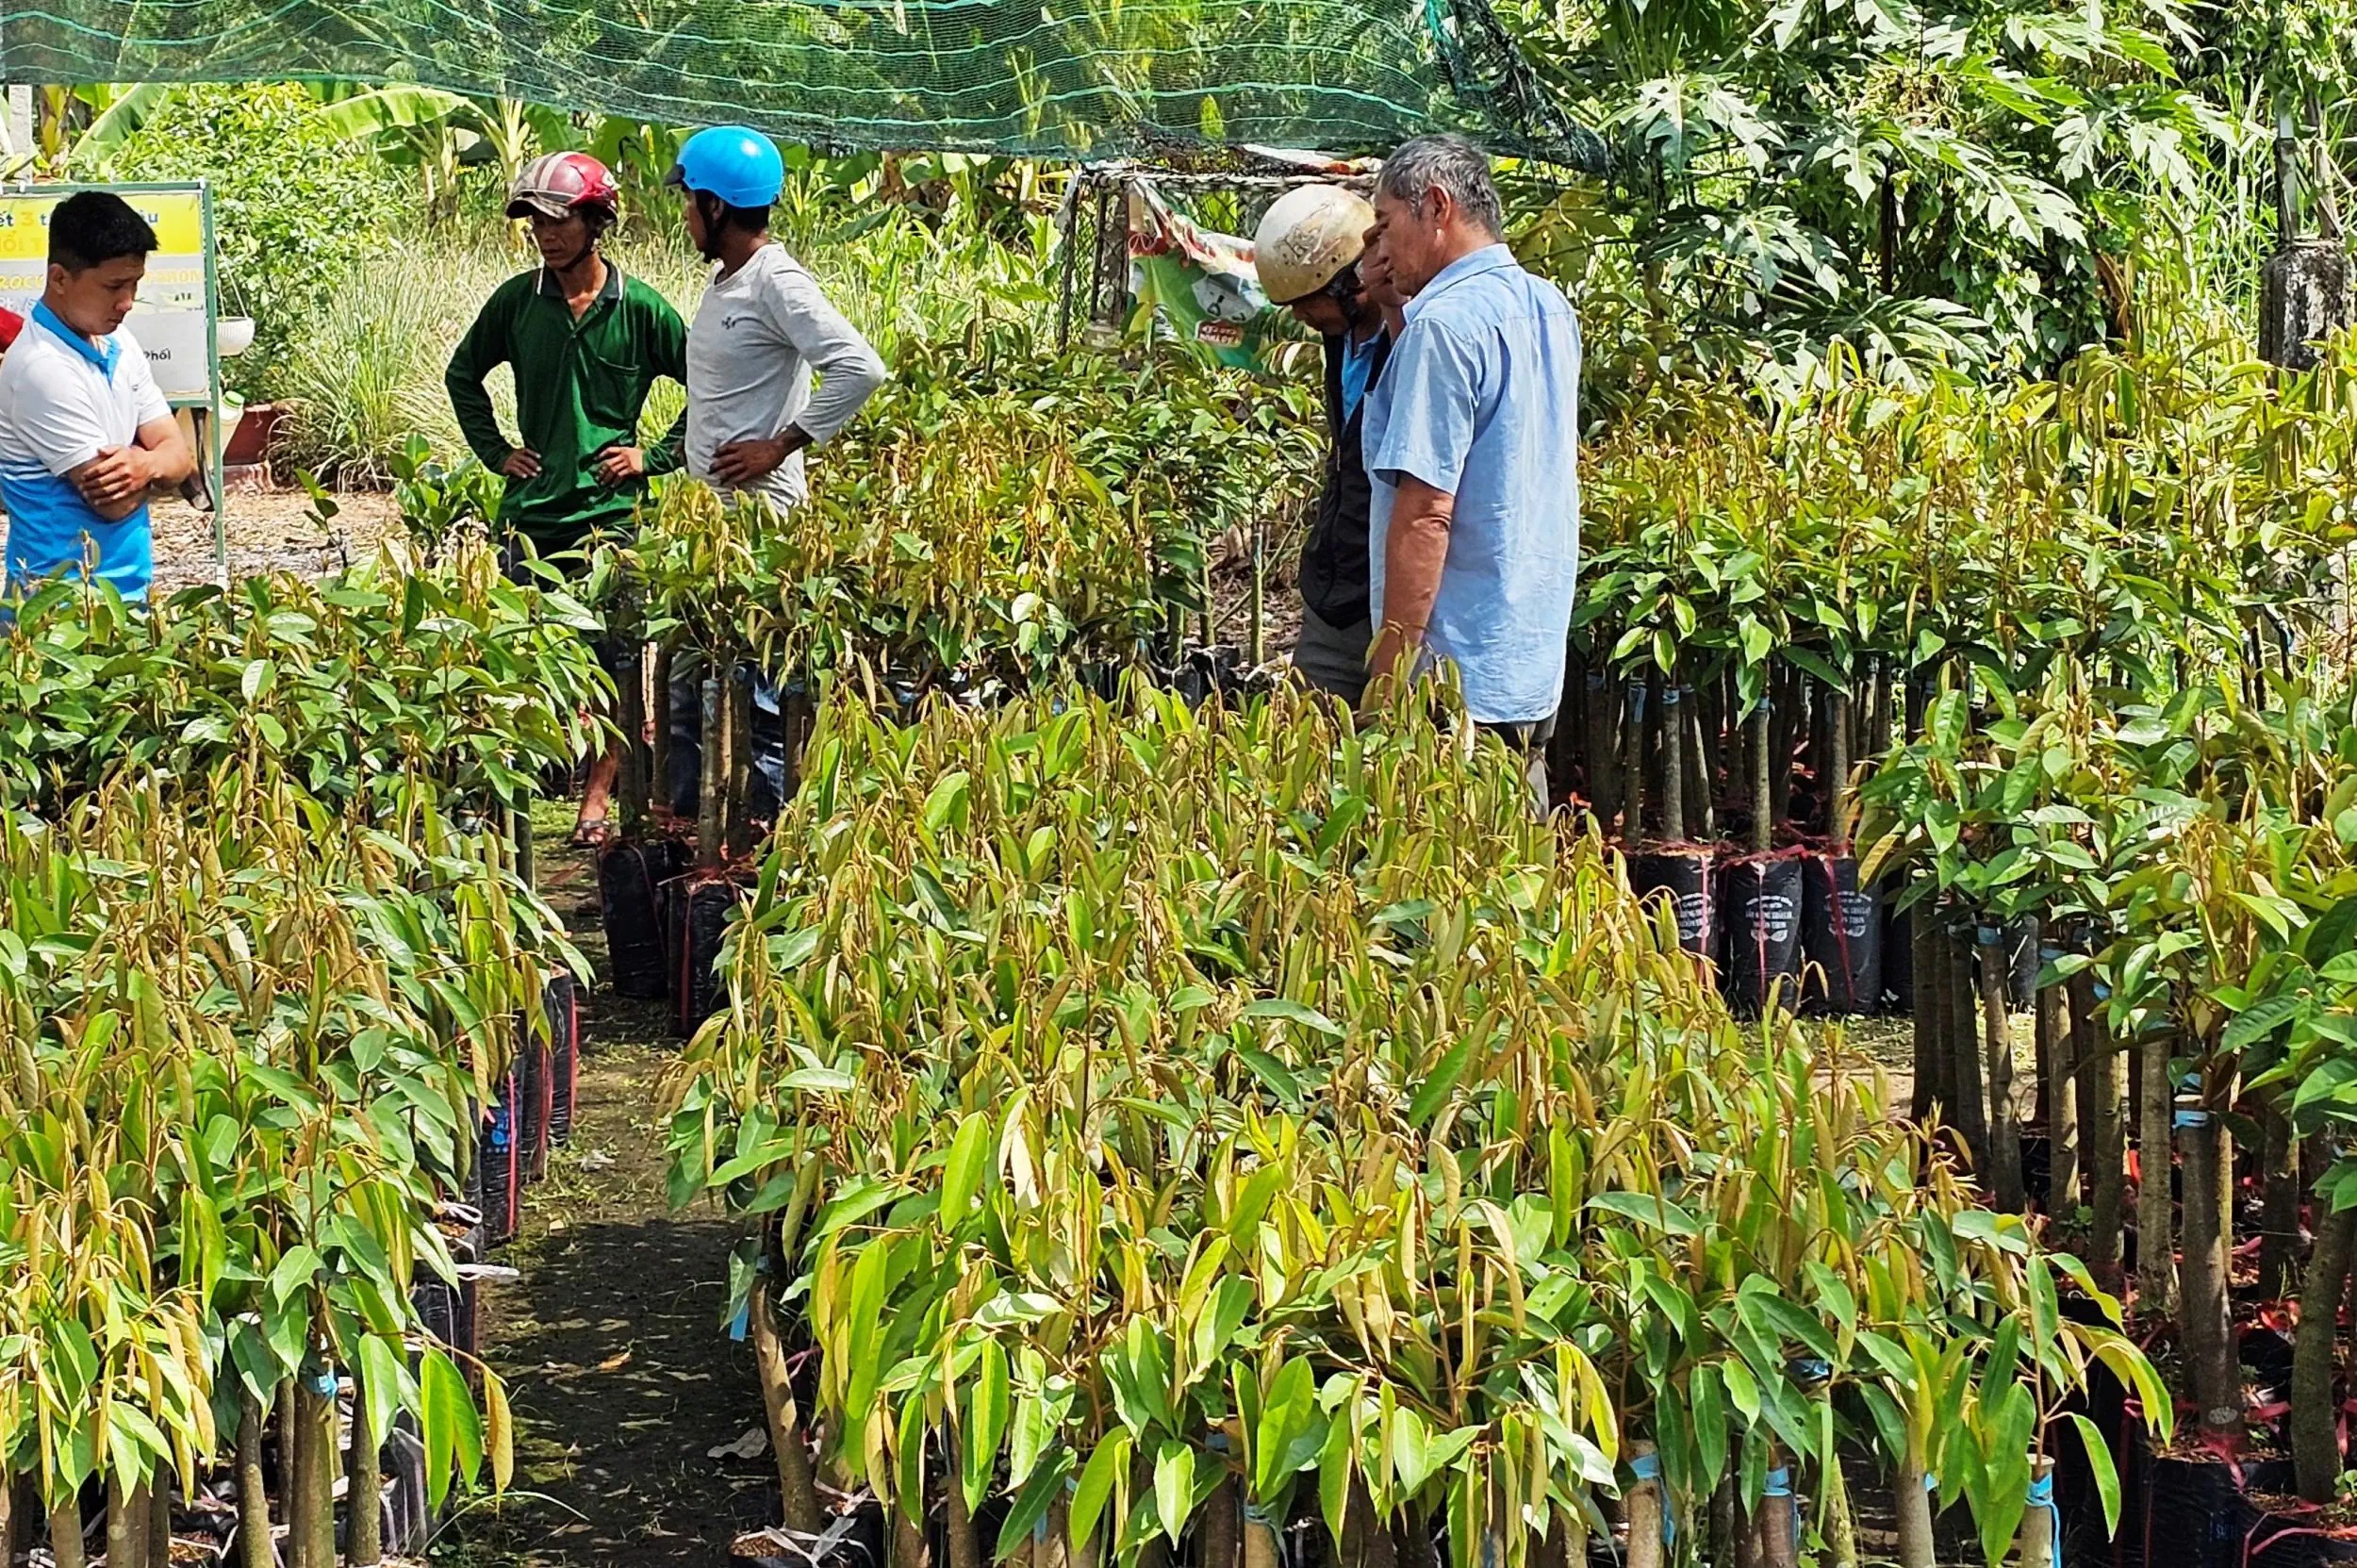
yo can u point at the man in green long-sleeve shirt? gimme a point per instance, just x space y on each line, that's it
586 344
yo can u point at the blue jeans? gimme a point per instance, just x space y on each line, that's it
687 723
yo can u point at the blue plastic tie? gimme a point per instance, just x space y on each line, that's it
1988 937
1780 1485
319 1382
742 1323
2042 1495
2190 1118
1647 1467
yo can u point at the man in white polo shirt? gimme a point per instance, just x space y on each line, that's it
85 434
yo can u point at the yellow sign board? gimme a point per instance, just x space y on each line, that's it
172 322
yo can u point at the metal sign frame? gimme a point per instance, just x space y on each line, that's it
208 408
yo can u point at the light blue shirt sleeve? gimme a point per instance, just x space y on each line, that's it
1433 384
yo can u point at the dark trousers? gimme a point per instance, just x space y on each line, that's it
687 725
1528 742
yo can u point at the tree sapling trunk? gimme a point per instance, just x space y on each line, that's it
2208 1333
1837 771
1971 1111
1604 771
2315 1417
159 1519
1929 1089
2062 1099
1673 764
1763 806
254 1543
364 1501
2156 1240
65 1533
126 1522
2005 1128
711 841
1911 1502
1702 816
1632 766
1644 1514
2101 1131
311 1509
2033 1544
2278 1238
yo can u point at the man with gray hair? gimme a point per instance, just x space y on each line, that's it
1472 441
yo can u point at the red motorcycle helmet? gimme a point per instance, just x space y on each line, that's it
561 184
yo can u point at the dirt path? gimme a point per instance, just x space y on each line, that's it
622 1375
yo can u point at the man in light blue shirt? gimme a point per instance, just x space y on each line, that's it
1471 439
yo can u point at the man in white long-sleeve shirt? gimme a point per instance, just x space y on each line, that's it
773 368
763 328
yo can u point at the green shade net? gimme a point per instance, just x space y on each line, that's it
1086 78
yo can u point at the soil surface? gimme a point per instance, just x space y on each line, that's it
268 530
622 1375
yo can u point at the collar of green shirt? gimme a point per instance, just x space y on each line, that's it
552 287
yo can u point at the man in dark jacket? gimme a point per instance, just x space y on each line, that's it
1307 254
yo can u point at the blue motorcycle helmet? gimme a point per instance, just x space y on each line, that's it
734 163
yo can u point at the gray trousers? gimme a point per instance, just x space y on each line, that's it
1333 658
